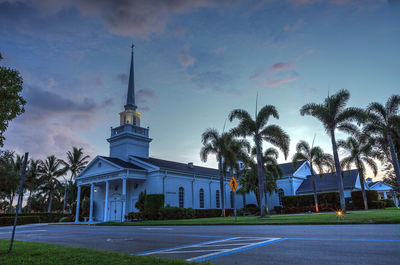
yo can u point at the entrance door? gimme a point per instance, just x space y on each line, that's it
115 213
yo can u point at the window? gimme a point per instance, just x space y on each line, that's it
281 193
181 197
217 198
201 198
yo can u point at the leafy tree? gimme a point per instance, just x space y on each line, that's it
140 202
32 179
333 114
260 131
384 122
215 143
360 153
249 181
75 163
315 157
50 170
11 102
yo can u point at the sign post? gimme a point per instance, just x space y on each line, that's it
19 205
233 184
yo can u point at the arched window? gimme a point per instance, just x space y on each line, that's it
281 193
217 199
181 197
201 198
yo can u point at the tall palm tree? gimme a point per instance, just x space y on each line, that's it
50 170
215 143
249 181
260 131
382 121
360 153
315 158
32 179
75 163
334 115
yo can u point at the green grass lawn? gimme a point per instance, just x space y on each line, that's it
33 253
384 216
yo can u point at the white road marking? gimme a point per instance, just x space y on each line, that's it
215 248
22 231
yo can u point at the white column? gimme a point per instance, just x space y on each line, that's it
91 202
78 201
106 203
384 195
123 199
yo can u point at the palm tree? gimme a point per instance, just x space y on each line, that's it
32 179
334 115
75 163
382 121
360 152
215 143
260 131
315 157
249 181
50 170
236 150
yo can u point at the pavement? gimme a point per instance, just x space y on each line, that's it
242 244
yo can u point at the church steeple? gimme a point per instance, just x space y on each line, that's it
130 99
130 115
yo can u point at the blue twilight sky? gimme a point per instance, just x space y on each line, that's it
195 61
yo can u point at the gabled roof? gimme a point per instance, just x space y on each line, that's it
370 184
121 163
182 167
289 169
328 182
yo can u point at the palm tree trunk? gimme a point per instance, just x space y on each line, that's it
395 160
364 195
50 202
29 201
314 186
11 202
338 172
260 179
221 184
65 196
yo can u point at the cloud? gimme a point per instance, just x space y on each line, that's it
185 59
294 26
358 4
213 80
124 17
144 97
179 31
282 81
123 78
273 68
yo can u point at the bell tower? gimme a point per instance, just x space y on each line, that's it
129 138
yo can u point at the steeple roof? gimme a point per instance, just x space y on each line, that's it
130 99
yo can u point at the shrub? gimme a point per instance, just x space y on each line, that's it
66 219
388 202
134 216
251 209
22 220
174 213
152 205
208 213
327 201
376 205
357 199
44 217
140 203
278 209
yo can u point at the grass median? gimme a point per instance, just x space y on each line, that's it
33 253
384 216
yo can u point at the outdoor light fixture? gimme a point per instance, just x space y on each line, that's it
95 190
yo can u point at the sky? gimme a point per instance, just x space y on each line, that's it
195 61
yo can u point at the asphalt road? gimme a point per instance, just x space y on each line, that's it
308 244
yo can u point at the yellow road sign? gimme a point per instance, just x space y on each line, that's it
233 184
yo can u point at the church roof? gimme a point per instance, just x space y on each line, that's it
288 168
370 184
121 163
182 167
328 182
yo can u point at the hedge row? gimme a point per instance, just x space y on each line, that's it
372 198
327 201
43 217
22 220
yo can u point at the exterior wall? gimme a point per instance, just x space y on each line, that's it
121 146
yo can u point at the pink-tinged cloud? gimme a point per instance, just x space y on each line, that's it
185 59
144 97
358 4
282 81
273 68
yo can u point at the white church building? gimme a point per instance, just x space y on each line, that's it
116 181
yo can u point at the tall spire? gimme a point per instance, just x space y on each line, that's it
130 99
